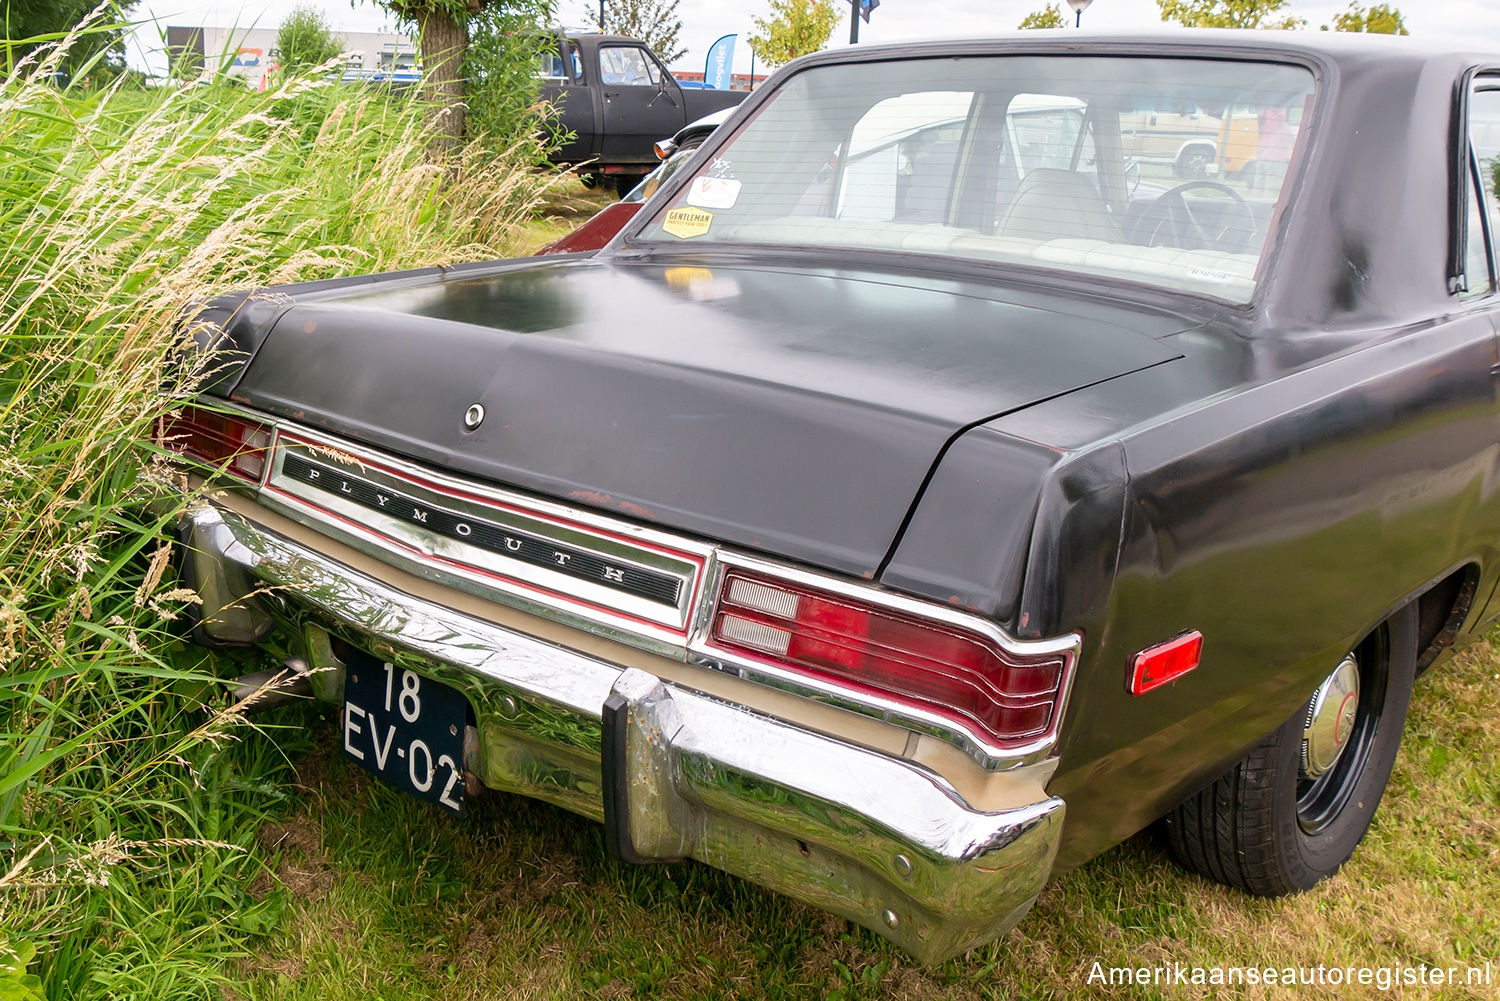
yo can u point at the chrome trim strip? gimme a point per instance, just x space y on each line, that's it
685 640
881 841
566 514
464 558
486 575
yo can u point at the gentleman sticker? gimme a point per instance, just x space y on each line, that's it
686 223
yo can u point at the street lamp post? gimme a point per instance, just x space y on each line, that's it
1079 6
859 9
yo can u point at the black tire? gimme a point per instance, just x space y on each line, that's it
1265 827
624 183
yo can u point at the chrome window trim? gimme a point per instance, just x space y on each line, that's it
688 643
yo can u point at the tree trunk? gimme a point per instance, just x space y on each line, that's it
444 41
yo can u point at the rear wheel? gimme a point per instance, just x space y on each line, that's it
1291 813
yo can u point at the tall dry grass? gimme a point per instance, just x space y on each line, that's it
126 806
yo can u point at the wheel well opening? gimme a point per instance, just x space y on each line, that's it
1441 612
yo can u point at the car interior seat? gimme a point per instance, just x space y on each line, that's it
1052 204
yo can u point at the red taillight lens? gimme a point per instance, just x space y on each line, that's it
945 670
219 440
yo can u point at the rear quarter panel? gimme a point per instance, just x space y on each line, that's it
1283 521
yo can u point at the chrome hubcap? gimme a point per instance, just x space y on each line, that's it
1330 719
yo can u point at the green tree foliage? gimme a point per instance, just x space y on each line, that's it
1228 13
1379 19
1050 16
443 28
102 49
795 28
306 39
500 66
15 983
654 22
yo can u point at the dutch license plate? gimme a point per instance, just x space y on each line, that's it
406 728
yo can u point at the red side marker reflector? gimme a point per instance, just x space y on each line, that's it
1157 665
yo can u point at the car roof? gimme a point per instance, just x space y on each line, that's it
596 37
1340 47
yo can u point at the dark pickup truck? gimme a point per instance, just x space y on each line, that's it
617 100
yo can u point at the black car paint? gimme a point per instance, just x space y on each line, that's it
592 114
1298 469
810 418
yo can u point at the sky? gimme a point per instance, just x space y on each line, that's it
1472 23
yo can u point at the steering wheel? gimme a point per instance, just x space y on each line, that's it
1170 222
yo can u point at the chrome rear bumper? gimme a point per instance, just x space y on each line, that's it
673 773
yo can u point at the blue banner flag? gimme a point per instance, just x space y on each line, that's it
865 6
718 71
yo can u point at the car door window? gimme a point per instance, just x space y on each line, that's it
1484 141
901 158
1477 268
574 60
627 66
561 65
551 68
1045 131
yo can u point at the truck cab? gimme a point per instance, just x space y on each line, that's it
616 99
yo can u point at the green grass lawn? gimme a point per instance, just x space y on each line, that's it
367 894
565 207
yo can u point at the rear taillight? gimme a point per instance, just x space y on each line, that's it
220 440
943 669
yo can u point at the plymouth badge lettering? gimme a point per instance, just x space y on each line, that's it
652 585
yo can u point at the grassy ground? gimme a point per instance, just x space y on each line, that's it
128 808
373 895
564 208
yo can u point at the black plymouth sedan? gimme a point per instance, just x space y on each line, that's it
924 492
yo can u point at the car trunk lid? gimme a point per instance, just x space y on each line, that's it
796 412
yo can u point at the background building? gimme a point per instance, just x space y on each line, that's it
252 51
738 81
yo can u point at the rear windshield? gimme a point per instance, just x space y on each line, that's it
1164 171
